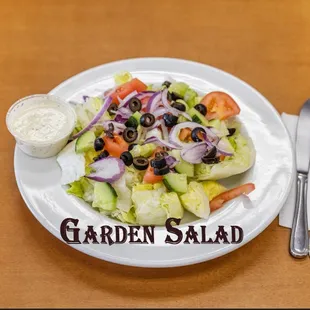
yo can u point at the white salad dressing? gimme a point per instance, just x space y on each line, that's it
40 124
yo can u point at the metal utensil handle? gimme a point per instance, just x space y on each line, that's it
299 245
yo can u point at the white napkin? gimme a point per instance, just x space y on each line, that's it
287 212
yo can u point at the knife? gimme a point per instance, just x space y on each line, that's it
299 243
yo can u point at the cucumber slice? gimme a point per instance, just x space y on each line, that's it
137 115
197 117
182 119
183 166
176 182
132 122
105 196
183 102
85 142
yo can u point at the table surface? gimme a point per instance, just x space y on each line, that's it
265 43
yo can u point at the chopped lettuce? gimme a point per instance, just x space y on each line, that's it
83 118
145 150
148 208
153 87
78 127
88 189
82 188
232 141
132 176
142 187
171 203
86 112
89 156
123 202
125 217
76 189
195 200
213 189
148 186
93 104
72 165
122 77
225 144
178 87
190 97
160 186
232 122
150 87
154 133
242 160
220 126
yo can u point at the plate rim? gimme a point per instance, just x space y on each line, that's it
171 263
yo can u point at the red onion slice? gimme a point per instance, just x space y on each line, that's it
120 119
172 110
159 112
164 130
141 133
140 96
118 127
97 117
124 102
85 98
144 94
122 114
174 134
222 148
161 142
155 125
171 161
109 169
154 102
194 153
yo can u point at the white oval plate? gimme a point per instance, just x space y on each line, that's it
39 179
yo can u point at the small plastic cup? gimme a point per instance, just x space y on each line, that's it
41 149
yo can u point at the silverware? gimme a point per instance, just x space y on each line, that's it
299 243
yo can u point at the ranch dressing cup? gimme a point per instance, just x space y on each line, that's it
41 124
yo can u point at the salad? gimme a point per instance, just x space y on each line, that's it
143 153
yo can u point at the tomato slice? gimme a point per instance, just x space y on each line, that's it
115 146
222 157
218 201
220 105
149 176
125 89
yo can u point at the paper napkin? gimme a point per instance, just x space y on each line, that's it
287 212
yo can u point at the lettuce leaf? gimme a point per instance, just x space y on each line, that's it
122 77
242 160
83 189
